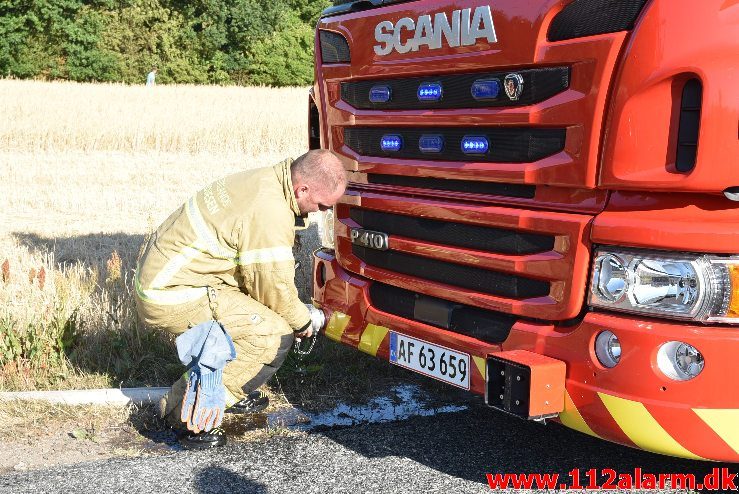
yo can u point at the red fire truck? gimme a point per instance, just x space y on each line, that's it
543 206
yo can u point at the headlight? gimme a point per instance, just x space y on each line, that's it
326 229
692 287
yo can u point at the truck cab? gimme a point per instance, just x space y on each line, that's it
543 206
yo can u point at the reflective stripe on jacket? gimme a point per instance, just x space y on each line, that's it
240 231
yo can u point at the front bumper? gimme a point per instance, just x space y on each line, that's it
632 404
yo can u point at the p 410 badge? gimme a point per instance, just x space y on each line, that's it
368 238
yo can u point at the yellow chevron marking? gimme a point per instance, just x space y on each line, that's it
336 325
724 422
639 425
571 417
371 338
480 363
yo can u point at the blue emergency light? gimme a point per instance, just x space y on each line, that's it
429 91
431 143
391 142
380 94
475 145
485 89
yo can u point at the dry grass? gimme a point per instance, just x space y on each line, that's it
79 215
28 418
65 116
86 171
46 434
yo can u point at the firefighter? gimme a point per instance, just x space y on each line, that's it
219 274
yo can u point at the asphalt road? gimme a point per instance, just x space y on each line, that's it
443 453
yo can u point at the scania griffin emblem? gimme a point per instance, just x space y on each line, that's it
513 85
465 28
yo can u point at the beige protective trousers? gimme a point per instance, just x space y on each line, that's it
261 337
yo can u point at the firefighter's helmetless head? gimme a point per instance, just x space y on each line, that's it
319 180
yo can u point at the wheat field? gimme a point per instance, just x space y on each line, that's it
86 171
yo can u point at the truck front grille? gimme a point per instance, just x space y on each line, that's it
506 144
504 259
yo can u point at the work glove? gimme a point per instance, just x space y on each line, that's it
210 402
317 318
205 349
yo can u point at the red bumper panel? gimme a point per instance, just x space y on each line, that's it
631 404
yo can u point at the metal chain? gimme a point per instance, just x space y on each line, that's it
300 352
212 302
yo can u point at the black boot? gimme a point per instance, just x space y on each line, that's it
202 440
256 401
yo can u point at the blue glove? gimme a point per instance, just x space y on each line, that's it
205 349
209 402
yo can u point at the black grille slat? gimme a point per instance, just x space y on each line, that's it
482 238
539 85
480 280
314 125
507 144
689 126
485 325
443 184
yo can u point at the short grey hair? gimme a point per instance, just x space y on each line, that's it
319 167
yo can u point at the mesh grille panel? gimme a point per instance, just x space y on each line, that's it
539 84
334 47
507 145
469 186
589 17
456 234
480 280
485 325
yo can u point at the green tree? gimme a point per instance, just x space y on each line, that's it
309 10
87 58
191 41
284 58
143 33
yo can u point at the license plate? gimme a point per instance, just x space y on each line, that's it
431 360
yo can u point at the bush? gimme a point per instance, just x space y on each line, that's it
284 58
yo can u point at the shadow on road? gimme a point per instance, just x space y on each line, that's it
217 480
91 250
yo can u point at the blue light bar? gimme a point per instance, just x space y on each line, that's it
380 94
391 142
475 145
485 89
429 91
431 143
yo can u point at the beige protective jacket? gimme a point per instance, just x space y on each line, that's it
239 231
